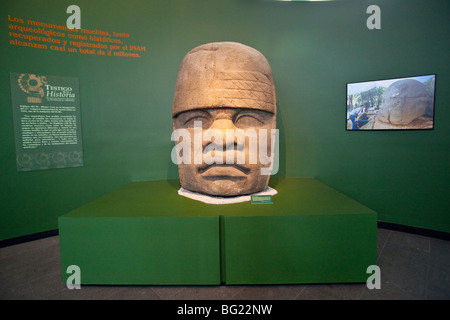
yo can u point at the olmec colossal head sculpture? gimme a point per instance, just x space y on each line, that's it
224 119
404 101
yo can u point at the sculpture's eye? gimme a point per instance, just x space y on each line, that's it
247 119
192 118
191 121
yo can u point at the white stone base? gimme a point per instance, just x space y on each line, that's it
224 200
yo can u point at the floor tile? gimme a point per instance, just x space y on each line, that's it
208 293
405 267
134 293
410 240
166 292
332 292
388 291
269 292
382 237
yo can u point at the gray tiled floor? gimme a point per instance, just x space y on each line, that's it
412 267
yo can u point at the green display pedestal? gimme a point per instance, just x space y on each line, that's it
142 250
298 249
145 233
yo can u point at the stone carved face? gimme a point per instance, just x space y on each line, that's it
225 111
404 101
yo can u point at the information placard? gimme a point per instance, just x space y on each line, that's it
47 121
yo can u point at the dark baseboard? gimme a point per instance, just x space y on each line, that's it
414 230
29 237
384 225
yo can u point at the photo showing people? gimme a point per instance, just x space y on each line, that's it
392 104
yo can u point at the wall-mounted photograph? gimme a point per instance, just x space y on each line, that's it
391 104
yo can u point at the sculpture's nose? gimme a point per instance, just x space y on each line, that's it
223 125
225 128
224 141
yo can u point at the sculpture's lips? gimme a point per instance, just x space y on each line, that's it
223 170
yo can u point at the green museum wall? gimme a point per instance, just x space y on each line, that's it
314 48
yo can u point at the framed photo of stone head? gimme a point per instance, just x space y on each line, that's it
391 104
